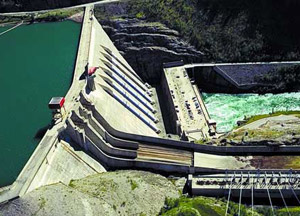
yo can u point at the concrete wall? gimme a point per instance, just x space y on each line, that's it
101 131
106 147
120 142
261 149
167 107
211 81
118 163
138 138
86 134
117 158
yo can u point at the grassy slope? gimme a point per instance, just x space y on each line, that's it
50 16
278 113
205 206
58 14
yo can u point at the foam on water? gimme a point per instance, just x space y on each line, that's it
227 109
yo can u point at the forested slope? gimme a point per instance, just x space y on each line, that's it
230 30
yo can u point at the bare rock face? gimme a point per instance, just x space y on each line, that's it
111 193
145 45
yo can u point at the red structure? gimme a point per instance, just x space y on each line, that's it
56 103
92 70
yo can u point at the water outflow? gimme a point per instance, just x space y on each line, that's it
227 109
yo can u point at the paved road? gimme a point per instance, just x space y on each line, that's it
43 11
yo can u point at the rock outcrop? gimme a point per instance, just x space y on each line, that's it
145 45
111 193
278 130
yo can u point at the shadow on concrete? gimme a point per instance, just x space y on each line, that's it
76 147
82 77
41 132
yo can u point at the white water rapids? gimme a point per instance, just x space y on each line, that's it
227 109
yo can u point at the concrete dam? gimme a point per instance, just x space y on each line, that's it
114 120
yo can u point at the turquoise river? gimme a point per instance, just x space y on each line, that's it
36 63
227 109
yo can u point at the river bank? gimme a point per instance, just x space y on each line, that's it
75 14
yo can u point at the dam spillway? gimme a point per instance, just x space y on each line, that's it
115 116
103 110
36 63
